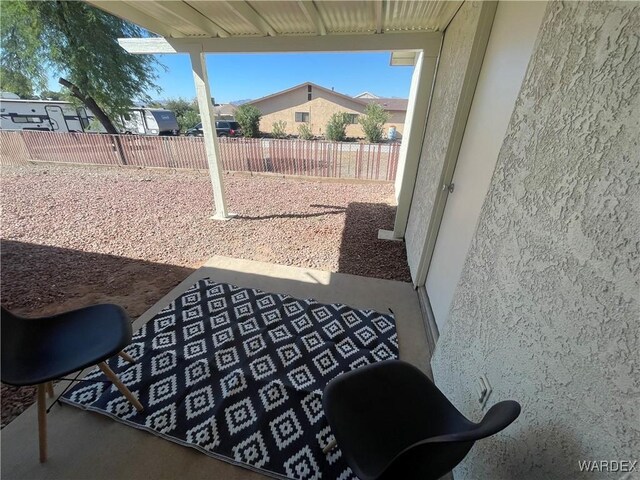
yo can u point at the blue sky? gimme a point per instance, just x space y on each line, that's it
236 77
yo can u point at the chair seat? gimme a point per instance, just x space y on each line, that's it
377 411
36 350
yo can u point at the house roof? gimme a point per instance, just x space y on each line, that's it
188 19
301 85
366 95
394 104
224 109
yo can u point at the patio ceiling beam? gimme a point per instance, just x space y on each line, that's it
311 11
379 9
248 14
426 42
132 14
190 15
212 148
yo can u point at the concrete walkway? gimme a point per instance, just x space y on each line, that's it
86 445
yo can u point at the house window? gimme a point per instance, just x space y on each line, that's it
309 92
302 117
352 118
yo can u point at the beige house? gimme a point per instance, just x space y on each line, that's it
314 105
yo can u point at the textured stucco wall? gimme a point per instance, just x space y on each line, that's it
456 51
548 302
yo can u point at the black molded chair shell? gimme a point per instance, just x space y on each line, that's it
390 421
36 350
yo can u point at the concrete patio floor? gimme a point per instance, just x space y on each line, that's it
86 445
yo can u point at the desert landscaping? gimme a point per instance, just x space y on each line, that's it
78 235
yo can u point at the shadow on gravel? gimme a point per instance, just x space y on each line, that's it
329 210
361 253
43 280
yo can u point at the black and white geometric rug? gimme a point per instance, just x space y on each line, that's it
239 374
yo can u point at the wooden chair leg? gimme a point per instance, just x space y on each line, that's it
120 386
50 389
42 422
127 357
330 446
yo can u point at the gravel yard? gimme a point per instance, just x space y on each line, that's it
72 236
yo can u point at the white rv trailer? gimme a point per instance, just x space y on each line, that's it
150 121
60 116
44 115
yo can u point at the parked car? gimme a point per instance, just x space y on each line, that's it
224 128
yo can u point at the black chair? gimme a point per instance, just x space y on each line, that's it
390 421
36 351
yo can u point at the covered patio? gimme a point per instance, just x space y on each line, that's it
517 202
82 444
86 445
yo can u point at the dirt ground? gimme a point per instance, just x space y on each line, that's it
73 236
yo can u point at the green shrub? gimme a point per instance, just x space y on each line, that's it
248 117
373 121
337 126
188 119
279 129
304 131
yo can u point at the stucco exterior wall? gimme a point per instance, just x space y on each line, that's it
319 109
548 302
396 119
322 105
269 105
337 99
456 51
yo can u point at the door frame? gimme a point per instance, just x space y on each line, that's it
471 76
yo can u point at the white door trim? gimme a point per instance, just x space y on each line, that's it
471 75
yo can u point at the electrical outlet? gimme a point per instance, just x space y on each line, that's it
483 389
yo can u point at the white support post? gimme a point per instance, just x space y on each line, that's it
409 158
211 146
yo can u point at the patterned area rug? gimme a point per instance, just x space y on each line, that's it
239 374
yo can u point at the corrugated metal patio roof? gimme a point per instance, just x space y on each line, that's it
188 19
